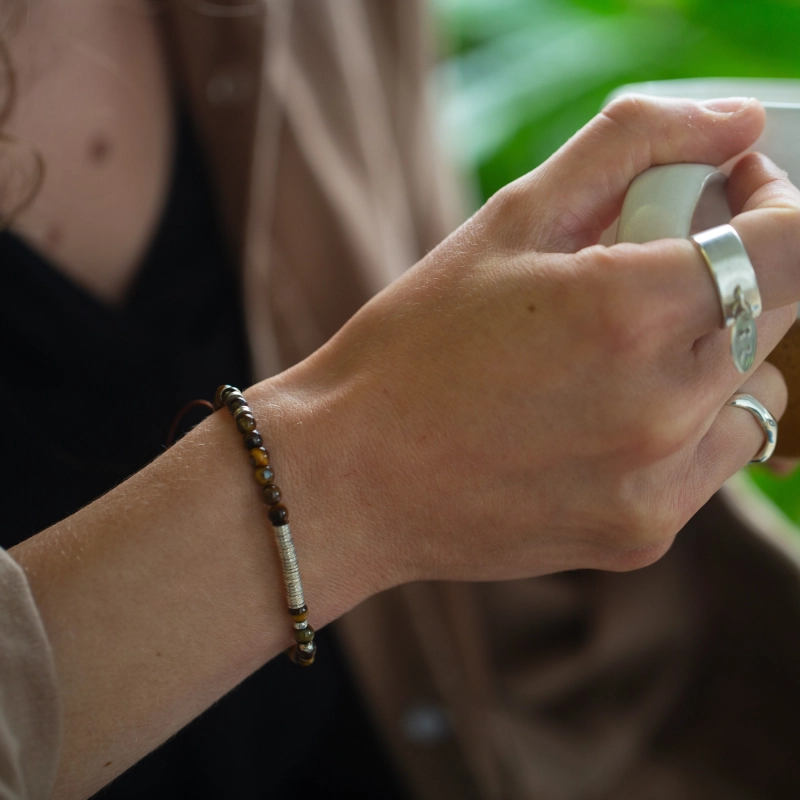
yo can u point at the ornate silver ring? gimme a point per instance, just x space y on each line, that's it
765 420
737 288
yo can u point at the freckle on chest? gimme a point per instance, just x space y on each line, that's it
99 148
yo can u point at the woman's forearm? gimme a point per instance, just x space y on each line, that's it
164 594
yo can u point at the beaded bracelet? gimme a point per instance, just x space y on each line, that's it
304 650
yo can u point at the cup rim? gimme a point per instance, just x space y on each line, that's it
771 92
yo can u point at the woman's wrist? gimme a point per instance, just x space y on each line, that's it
322 451
162 595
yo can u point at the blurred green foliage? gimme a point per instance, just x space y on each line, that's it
519 77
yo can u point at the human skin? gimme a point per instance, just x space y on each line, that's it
94 100
521 402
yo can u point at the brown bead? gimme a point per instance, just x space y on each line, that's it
272 495
245 422
299 614
304 635
222 394
305 658
278 515
264 475
234 401
253 440
259 457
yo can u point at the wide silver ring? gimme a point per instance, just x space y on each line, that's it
765 420
723 251
737 289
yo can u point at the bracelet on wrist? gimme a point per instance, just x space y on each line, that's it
304 650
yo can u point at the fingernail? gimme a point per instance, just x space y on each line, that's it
728 105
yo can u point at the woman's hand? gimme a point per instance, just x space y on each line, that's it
521 402
526 401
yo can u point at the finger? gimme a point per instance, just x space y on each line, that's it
672 279
768 220
758 182
735 435
586 180
716 376
782 466
769 226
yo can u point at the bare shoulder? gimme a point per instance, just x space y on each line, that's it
93 99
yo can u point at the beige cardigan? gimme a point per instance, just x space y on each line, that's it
678 681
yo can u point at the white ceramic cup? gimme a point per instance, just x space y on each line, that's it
677 200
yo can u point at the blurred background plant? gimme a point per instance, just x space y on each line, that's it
519 77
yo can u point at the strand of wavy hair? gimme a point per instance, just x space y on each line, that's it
7 216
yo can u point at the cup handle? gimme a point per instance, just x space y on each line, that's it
673 201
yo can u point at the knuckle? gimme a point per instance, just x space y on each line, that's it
623 332
628 121
507 214
780 197
639 557
511 200
598 260
630 112
661 432
626 330
786 205
626 327
642 520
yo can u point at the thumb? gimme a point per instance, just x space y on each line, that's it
586 180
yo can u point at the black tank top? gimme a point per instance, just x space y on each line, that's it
87 395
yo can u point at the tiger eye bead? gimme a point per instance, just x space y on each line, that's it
264 475
278 515
272 495
304 636
299 614
222 394
304 654
253 440
235 400
259 457
245 422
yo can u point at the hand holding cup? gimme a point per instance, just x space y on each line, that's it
529 401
